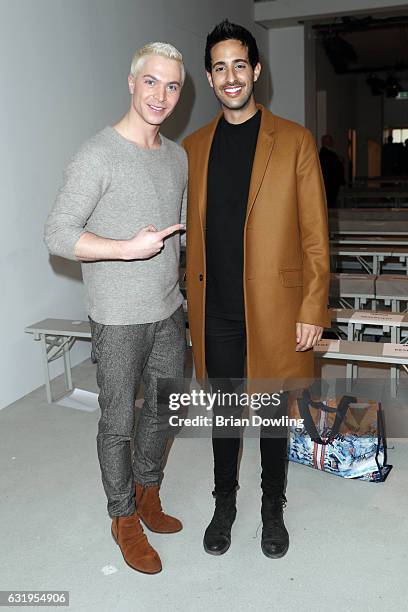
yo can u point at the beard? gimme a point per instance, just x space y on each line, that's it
235 104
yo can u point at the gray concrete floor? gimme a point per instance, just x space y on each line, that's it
348 548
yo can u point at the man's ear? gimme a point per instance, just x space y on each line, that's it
131 83
257 71
209 77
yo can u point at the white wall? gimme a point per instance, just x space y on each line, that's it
64 66
287 67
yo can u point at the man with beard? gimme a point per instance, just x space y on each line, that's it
257 265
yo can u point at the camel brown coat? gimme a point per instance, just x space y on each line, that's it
286 252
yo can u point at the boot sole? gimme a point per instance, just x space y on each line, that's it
154 530
132 566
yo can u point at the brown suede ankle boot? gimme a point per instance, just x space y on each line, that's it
148 507
136 550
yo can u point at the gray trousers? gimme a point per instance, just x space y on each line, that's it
127 355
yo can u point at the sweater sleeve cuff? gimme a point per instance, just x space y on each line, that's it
62 242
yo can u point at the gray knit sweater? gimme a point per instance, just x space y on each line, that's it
113 188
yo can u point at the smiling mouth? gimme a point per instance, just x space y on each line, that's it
156 109
233 91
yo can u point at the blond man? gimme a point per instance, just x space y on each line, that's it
120 211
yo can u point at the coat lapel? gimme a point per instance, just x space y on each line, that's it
264 147
263 152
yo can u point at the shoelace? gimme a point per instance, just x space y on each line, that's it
274 513
278 504
273 522
276 519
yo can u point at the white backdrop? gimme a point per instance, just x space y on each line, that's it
63 66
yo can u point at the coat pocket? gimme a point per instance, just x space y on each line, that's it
291 277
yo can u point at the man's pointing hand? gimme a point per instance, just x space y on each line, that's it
148 242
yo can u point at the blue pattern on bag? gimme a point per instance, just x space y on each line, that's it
347 456
362 457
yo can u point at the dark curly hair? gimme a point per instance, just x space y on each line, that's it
231 31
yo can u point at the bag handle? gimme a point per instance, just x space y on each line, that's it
304 404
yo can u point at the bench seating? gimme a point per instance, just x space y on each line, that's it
57 336
381 321
358 287
392 289
371 258
344 350
354 227
358 239
368 214
378 197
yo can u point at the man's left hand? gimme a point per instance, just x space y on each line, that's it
307 336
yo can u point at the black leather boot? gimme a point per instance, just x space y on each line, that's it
275 538
217 537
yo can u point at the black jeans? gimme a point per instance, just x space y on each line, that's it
225 350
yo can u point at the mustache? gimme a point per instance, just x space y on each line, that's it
234 84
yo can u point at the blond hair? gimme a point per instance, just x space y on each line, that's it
156 48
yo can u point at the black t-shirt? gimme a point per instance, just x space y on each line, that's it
229 175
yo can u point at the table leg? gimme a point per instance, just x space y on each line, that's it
375 265
395 339
67 367
393 383
349 377
45 368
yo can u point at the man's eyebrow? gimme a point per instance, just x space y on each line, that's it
150 76
221 63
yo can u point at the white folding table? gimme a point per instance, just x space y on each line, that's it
57 337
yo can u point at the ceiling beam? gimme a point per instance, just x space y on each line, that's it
283 13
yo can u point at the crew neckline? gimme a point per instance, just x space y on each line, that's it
134 145
254 118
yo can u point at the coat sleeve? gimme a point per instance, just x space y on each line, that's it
312 210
